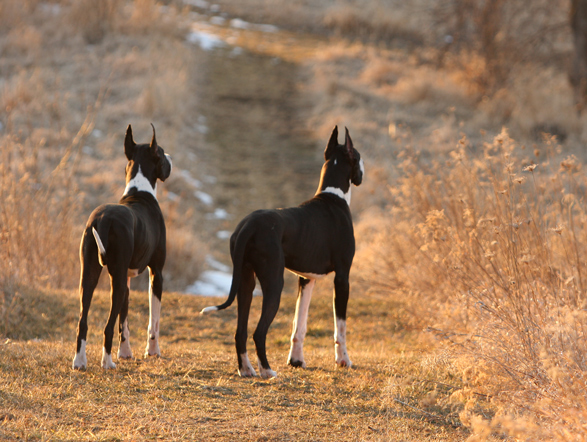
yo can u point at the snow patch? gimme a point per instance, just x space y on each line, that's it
217 265
211 283
223 234
202 4
204 197
218 214
207 42
218 21
187 177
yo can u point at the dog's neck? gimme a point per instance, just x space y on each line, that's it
141 184
331 181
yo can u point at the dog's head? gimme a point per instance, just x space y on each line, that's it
146 163
345 156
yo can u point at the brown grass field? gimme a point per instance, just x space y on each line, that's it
194 393
467 312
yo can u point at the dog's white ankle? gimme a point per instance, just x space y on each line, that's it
296 355
152 348
246 370
342 356
107 360
124 350
267 373
80 361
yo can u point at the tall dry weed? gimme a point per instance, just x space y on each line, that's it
38 211
489 248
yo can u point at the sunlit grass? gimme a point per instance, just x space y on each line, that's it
193 392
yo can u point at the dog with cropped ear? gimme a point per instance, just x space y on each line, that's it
126 238
311 240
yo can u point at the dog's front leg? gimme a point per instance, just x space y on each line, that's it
341 297
300 321
155 292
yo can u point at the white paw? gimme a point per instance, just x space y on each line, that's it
107 360
246 370
296 356
80 362
267 373
342 356
124 350
152 348
344 362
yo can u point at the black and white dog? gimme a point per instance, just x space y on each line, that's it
126 238
311 240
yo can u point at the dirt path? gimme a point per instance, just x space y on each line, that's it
254 151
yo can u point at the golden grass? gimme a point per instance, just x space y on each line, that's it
63 113
193 391
488 249
473 244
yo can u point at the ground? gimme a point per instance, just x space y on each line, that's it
193 392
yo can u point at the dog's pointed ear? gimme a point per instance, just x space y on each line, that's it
154 147
348 144
129 144
332 143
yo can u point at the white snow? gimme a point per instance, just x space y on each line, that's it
218 21
239 24
218 214
204 197
211 283
217 265
187 177
202 4
223 234
207 42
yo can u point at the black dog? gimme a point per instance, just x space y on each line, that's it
311 240
126 238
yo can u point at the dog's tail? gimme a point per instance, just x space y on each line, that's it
101 247
242 239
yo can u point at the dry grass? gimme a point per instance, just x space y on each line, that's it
473 243
493 240
193 392
63 113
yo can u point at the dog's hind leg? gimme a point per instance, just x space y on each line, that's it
300 321
124 350
155 293
341 297
90 274
271 280
117 295
244 298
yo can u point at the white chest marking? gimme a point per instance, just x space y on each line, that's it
362 166
338 192
141 183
